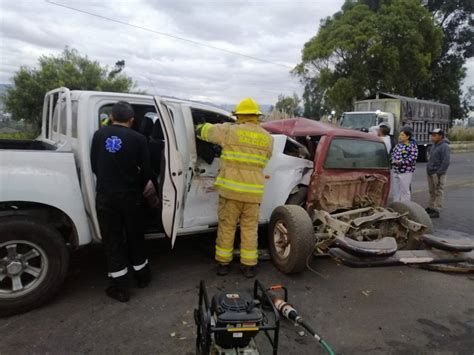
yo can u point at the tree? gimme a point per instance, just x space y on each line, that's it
289 105
455 19
314 103
387 46
69 69
119 66
468 100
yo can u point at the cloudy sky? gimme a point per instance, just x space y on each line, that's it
272 30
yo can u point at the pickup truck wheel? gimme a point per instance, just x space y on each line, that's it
291 238
417 214
33 264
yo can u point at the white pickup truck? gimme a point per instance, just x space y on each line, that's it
47 188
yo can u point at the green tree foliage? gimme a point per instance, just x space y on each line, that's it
314 103
455 19
289 105
468 99
394 46
69 69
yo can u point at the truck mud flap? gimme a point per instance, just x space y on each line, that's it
402 257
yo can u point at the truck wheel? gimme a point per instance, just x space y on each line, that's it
298 198
33 264
423 154
417 214
291 238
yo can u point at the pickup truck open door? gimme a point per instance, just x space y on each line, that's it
172 178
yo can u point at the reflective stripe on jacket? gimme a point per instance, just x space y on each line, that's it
246 149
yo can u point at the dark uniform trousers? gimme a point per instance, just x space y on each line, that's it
120 217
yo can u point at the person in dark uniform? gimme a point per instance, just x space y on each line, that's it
121 161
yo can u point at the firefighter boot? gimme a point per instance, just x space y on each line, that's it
222 269
248 271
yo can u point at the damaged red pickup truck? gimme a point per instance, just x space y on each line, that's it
343 210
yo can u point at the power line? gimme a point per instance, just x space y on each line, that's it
169 35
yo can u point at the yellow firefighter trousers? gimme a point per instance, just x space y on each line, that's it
230 212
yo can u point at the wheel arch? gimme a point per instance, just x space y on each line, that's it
45 213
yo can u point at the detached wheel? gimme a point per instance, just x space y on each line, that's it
33 264
417 214
291 238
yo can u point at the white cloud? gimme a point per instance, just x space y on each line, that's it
272 30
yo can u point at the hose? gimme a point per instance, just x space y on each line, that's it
320 340
287 311
326 347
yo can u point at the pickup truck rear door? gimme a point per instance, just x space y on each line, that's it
172 177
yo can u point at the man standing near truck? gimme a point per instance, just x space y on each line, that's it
436 169
246 149
383 132
121 161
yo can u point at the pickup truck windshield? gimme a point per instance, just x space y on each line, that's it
358 120
346 153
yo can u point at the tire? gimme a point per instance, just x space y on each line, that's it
423 154
298 198
299 238
417 214
37 255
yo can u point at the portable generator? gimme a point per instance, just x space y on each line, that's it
229 324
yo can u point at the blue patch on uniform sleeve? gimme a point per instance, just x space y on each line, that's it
113 144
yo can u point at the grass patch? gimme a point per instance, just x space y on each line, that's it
459 134
19 135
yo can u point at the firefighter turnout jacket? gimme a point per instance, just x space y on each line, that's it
246 149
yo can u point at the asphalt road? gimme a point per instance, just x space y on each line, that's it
459 212
399 310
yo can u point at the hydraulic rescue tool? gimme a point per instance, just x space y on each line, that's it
231 321
289 312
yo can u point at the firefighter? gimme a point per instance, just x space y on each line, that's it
105 120
246 149
121 162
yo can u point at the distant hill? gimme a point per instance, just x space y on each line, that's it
265 108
